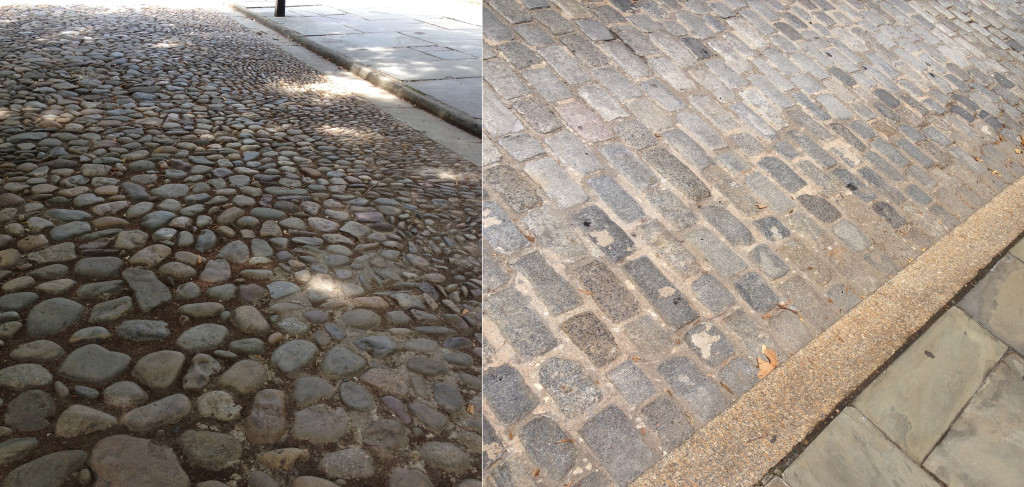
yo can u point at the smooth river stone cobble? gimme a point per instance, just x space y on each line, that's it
200 238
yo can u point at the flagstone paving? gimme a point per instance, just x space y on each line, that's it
215 271
669 185
946 412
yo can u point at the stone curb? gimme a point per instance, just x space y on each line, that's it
739 446
427 103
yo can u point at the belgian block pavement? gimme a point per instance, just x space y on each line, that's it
669 185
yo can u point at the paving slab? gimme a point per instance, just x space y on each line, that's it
851 452
395 44
986 443
997 302
917 397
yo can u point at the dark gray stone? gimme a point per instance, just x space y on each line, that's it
607 291
617 445
770 264
666 418
721 257
703 394
147 289
356 396
782 174
48 470
604 233
889 213
556 293
772 228
341 363
499 231
143 330
621 203
569 385
589 334
98 268
378 346
293 355
672 306
507 394
677 173
519 323
542 439
709 344
52 316
30 411
820 207
756 292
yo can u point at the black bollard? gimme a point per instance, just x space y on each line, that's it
279 11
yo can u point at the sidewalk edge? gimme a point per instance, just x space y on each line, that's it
427 103
738 447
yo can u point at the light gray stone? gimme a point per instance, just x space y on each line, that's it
159 370
52 316
157 414
984 446
917 397
996 302
94 365
852 449
293 355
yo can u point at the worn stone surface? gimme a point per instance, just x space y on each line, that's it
983 445
917 397
995 302
851 448
728 158
127 460
190 216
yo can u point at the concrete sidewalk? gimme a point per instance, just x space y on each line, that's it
427 54
948 411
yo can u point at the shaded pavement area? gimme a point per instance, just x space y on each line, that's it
669 186
215 270
948 411
425 52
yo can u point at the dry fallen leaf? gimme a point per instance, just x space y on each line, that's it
564 440
765 367
584 291
761 207
469 409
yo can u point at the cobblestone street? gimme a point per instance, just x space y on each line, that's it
215 270
671 185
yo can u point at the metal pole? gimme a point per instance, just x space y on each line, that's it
279 11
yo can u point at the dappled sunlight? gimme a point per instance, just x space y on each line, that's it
360 133
114 5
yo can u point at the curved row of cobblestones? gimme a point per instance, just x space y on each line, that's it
213 272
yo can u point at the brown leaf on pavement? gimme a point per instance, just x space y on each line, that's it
766 366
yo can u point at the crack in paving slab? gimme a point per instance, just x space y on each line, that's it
666 174
217 271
